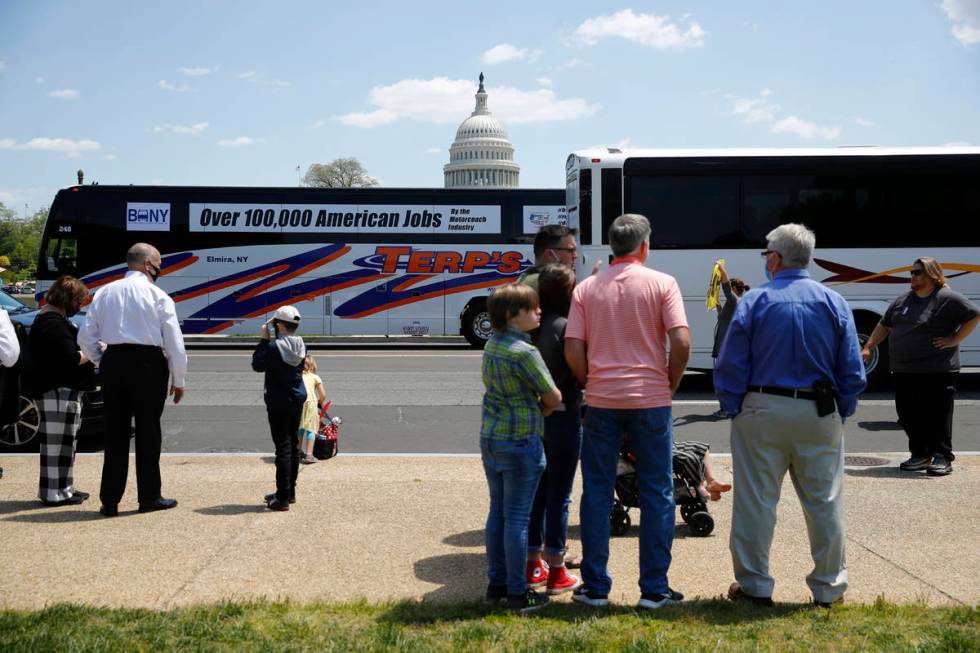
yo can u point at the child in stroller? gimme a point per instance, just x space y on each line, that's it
694 484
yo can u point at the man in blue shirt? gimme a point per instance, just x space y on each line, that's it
791 353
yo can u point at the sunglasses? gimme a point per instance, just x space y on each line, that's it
917 273
565 249
768 252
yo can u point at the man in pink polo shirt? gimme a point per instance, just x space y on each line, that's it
616 344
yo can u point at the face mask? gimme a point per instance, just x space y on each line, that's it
155 274
768 273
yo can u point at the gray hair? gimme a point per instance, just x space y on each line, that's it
793 242
627 232
139 253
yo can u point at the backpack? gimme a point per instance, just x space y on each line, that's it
327 443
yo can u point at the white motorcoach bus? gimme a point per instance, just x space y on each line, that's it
874 211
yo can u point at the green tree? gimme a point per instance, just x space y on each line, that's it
20 240
339 173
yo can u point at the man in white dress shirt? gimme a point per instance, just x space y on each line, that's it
9 351
138 323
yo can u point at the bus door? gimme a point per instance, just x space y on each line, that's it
417 303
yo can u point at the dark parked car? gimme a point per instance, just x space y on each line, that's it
22 434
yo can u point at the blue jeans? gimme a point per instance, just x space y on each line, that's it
652 438
513 468
549 514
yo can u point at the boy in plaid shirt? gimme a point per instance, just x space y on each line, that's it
519 392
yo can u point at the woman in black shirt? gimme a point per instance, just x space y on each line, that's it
60 371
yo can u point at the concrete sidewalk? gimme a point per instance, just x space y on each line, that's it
412 528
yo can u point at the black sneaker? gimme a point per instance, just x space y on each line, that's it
278 505
939 466
495 593
528 602
915 464
655 601
583 595
272 496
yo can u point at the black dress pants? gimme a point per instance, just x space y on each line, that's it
284 425
134 385
925 405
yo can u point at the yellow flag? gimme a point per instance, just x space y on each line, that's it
714 285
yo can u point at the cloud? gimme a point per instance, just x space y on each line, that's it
754 110
167 86
571 63
507 52
863 122
808 130
65 94
193 130
44 144
317 124
39 80
254 78
433 150
646 29
443 100
544 81
965 16
241 141
197 72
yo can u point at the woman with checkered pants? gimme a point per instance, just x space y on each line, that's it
60 371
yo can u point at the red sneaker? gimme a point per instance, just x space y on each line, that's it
537 573
560 581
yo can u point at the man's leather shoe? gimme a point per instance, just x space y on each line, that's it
109 511
159 504
271 497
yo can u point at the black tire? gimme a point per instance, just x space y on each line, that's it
687 510
475 324
619 522
877 368
22 435
701 524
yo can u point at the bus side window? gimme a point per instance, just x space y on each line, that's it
612 199
585 207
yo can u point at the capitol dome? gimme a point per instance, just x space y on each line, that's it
481 156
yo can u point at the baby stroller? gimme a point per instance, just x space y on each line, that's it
694 509
328 435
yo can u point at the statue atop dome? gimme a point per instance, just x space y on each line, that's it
481 84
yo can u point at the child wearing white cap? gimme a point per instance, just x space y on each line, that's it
280 354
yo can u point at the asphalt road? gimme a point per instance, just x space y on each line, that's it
426 401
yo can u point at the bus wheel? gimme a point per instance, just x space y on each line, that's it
876 369
22 434
476 324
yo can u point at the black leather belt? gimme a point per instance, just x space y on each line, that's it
783 392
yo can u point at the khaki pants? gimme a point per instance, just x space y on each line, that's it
773 435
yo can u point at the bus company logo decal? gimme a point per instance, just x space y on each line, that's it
536 217
846 274
142 216
395 258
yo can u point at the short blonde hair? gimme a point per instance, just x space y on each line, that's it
932 269
507 301
309 364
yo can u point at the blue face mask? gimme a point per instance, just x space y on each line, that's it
768 273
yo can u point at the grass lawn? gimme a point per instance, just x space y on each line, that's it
286 626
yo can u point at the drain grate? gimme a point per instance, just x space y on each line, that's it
864 461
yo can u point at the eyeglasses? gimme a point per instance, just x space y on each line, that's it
565 249
768 252
916 273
